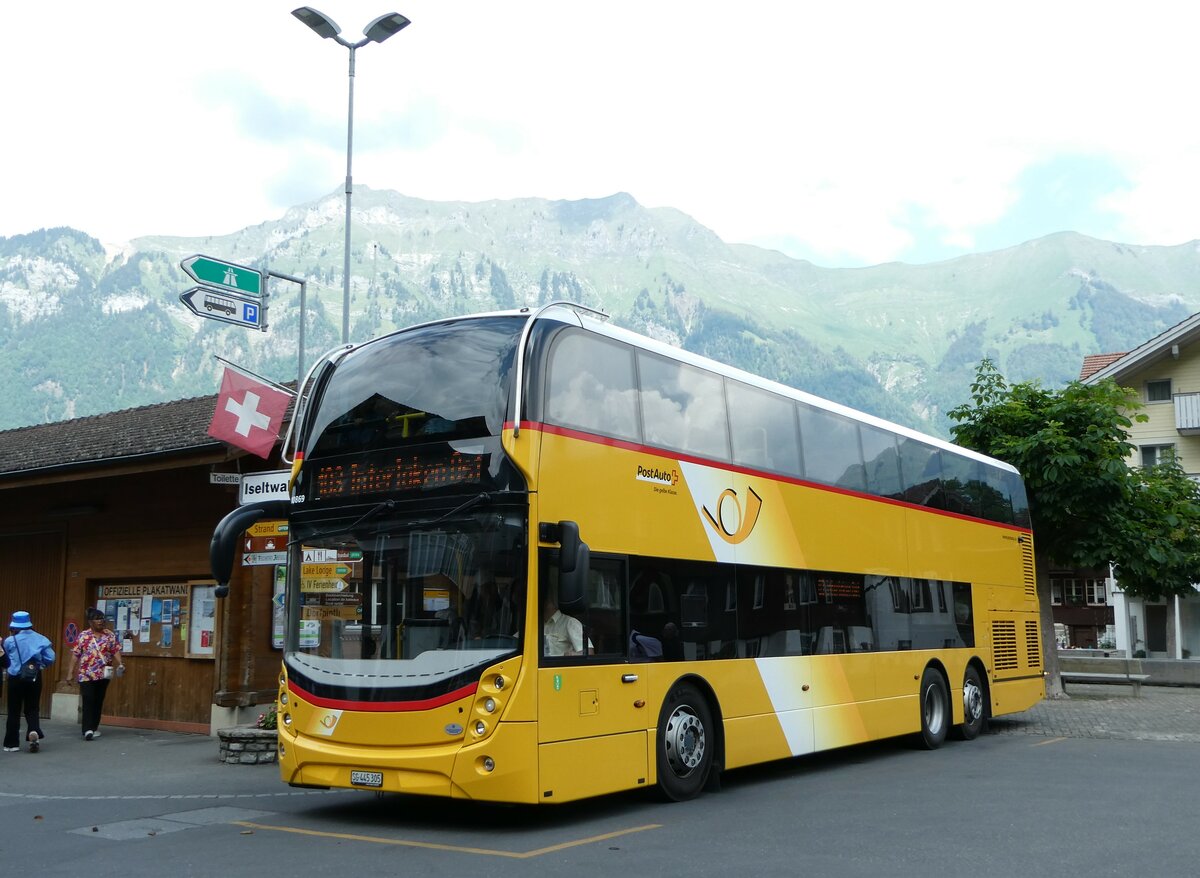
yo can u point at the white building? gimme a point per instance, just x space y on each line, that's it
1165 372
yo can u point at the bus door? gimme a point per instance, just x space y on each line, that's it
592 711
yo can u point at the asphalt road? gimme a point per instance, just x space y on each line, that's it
1099 785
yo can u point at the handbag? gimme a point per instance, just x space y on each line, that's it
29 669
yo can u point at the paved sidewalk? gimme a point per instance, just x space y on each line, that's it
129 763
1160 713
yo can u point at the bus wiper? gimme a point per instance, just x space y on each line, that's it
365 517
390 504
372 512
485 497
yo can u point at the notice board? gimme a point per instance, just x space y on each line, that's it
164 620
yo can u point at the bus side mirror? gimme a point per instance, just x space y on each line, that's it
228 535
575 560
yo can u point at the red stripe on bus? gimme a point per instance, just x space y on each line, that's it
382 706
625 444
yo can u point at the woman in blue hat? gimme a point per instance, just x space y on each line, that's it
27 653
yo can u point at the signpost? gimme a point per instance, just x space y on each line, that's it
263 559
271 485
321 583
224 275
226 307
227 292
237 294
269 528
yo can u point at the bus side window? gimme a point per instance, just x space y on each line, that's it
921 473
832 454
591 387
683 407
764 431
604 618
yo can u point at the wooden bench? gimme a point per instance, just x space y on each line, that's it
1134 680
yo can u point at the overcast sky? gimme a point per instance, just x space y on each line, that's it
848 133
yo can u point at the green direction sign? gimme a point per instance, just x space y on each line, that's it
224 275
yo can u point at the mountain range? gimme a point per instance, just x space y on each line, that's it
87 327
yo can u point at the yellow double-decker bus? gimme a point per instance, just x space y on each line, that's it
534 557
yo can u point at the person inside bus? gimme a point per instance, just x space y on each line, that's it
561 634
672 646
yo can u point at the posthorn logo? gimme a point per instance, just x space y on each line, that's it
733 523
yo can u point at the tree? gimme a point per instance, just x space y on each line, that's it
1157 553
1088 507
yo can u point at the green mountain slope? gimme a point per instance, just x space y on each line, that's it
87 330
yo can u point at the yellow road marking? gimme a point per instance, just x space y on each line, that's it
1044 743
461 849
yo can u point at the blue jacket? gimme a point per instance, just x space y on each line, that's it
24 645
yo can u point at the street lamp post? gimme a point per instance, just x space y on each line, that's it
375 32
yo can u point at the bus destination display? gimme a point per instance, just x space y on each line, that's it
386 473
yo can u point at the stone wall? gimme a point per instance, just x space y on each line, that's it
1163 672
248 746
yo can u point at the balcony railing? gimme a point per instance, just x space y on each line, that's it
1187 414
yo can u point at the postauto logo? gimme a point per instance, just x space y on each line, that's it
658 476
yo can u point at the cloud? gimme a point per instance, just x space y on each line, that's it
265 117
848 133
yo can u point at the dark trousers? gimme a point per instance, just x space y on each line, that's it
91 693
24 697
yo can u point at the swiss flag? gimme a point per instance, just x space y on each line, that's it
249 413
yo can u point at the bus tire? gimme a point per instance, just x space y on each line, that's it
935 709
974 706
686 741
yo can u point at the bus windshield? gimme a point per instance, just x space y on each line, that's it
387 603
437 383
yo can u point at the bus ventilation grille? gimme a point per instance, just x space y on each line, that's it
1004 645
1033 646
1027 568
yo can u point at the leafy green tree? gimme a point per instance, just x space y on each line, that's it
1088 507
1157 553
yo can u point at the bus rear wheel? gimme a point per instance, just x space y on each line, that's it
974 708
935 709
685 743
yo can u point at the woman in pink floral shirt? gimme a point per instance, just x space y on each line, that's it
96 653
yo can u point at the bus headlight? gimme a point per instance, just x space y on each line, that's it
498 682
283 698
287 719
480 728
489 705
489 764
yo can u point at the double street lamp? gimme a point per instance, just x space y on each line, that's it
375 32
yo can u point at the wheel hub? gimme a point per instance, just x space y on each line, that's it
934 710
684 742
972 701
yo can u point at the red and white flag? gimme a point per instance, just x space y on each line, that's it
249 413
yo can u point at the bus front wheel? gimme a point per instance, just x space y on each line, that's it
974 708
685 743
935 709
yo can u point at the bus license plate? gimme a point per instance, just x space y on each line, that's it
366 778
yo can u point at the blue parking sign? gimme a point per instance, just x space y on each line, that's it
250 313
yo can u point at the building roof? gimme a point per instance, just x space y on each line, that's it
151 430
1093 363
1163 345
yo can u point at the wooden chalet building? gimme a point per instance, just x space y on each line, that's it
117 510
